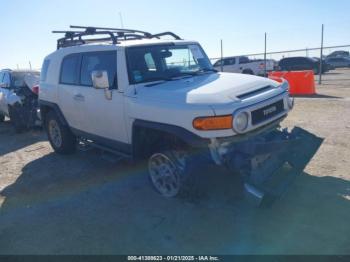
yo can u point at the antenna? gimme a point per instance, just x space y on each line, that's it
121 20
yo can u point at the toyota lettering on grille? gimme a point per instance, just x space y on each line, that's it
269 110
264 113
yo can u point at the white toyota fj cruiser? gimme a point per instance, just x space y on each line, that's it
142 96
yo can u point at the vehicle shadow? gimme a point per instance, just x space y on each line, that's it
84 204
11 141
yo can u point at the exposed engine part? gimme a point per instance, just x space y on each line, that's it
23 108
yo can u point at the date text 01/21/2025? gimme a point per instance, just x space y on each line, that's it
173 258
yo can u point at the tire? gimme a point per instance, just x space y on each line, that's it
248 72
16 119
169 173
60 137
2 118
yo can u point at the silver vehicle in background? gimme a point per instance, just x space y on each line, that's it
19 91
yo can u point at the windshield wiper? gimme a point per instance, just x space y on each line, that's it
168 79
182 76
205 70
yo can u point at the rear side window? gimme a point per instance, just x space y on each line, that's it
44 70
98 61
243 60
283 62
69 70
289 61
218 63
230 61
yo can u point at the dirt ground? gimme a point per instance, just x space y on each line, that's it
89 204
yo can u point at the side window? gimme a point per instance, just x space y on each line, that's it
243 60
69 70
44 70
229 61
218 63
98 61
150 62
294 61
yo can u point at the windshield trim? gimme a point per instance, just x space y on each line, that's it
171 44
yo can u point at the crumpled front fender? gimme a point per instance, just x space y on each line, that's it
270 163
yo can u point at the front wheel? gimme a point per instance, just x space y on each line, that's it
61 138
167 171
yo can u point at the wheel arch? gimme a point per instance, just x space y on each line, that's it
148 137
46 107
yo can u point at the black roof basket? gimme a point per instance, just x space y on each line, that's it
75 37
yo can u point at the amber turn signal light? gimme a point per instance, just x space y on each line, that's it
213 123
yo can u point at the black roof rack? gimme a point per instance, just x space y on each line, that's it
75 37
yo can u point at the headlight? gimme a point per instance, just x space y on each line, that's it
241 121
290 102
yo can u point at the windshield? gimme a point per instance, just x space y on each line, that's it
163 62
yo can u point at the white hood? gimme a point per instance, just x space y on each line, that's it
218 88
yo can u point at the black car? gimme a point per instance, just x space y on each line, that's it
300 63
339 62
327 66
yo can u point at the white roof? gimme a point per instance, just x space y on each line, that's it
108 46
151 41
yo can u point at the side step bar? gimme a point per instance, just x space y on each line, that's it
91 143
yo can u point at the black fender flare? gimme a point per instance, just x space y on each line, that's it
53 106
180 132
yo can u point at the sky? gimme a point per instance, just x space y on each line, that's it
25 27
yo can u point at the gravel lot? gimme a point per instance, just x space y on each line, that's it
88 203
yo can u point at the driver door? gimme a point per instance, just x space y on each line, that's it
102 116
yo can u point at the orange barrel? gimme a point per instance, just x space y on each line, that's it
300 82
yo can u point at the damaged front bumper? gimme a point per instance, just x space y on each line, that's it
267 162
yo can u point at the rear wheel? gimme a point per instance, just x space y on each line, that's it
61 138
248 72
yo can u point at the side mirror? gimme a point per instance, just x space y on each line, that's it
100 79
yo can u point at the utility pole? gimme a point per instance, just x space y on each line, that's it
30 65
222 56
265 57
321 56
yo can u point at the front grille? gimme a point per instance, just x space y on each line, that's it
267 112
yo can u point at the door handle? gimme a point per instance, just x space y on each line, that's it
79 97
